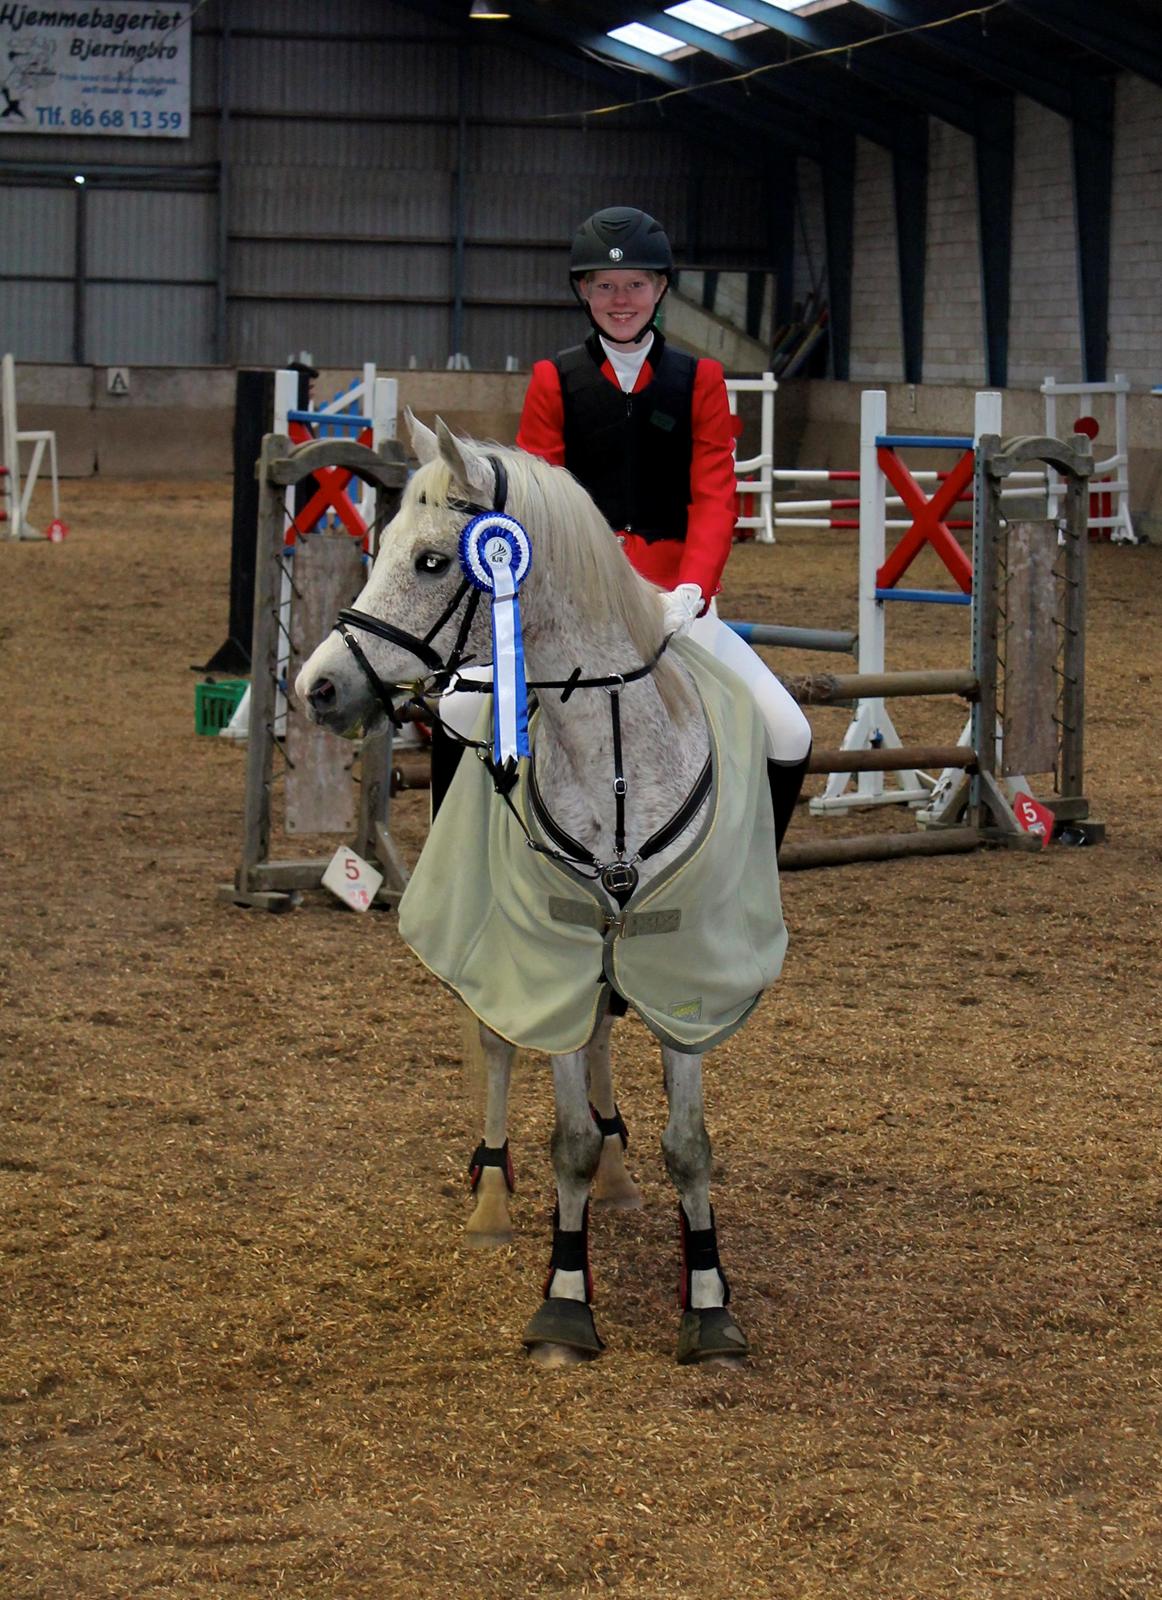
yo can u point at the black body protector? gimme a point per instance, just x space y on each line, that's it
631 451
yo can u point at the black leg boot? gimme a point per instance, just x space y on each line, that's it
786 780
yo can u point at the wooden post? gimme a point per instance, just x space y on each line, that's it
276 885
1074 462
1030 651
264 663
327 573
1071 776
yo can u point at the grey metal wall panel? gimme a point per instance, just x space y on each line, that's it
730 213
502 273
337 335
550 208
274 268
605 153
151 234
149 324
491 335
343 148
354 148
336 17
277 200
38 234
36 321
320 75
199 150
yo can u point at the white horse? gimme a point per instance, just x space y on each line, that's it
590 882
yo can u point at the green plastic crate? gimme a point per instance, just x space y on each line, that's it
215 702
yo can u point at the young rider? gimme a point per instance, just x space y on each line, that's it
647 430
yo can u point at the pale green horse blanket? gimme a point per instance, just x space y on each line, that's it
532 946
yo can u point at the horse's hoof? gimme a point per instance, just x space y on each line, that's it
711 1336
617 1197
490 1224
554 1356
613 1189
479 1239
562 1329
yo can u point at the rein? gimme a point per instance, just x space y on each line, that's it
618 877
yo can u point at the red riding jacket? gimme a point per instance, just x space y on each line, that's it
701 556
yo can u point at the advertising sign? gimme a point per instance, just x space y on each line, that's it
119 69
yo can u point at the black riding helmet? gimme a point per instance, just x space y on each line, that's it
623 239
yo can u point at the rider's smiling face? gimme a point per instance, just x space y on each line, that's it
622 301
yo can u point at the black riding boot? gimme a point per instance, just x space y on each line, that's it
786 780
446 753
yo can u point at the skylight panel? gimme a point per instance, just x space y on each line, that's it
707 15
647 39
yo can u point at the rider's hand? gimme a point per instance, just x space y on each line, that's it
680 607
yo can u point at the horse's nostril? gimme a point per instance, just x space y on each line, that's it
322 695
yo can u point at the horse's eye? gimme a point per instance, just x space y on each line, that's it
431 563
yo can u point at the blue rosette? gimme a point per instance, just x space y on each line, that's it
495 554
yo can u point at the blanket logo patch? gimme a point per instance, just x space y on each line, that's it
687 1010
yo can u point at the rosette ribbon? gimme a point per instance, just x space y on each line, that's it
496 555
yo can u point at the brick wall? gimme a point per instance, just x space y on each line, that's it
1136 228
953 312
1044 325
875 281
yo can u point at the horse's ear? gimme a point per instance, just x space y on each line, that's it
425 445
469 467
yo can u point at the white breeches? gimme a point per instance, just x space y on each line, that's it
788 731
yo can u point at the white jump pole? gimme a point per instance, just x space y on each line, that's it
1120 522
762 486
872 726
17 494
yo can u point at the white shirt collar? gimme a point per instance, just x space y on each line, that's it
626 362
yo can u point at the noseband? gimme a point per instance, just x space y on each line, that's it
442 671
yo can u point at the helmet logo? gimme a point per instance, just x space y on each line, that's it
615 254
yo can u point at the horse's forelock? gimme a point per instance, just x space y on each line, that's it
430 484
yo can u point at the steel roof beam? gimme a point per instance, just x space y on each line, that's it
731 108
1015 69
839 231
1104 30
995 165
550 42
764 98
940 94
910 188
861 113
711 44
1093 178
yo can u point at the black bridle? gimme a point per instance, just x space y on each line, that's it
442 671
618 877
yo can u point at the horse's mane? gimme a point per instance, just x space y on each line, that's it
573 543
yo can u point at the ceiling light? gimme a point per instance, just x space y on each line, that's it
488 11
641 37
705 14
